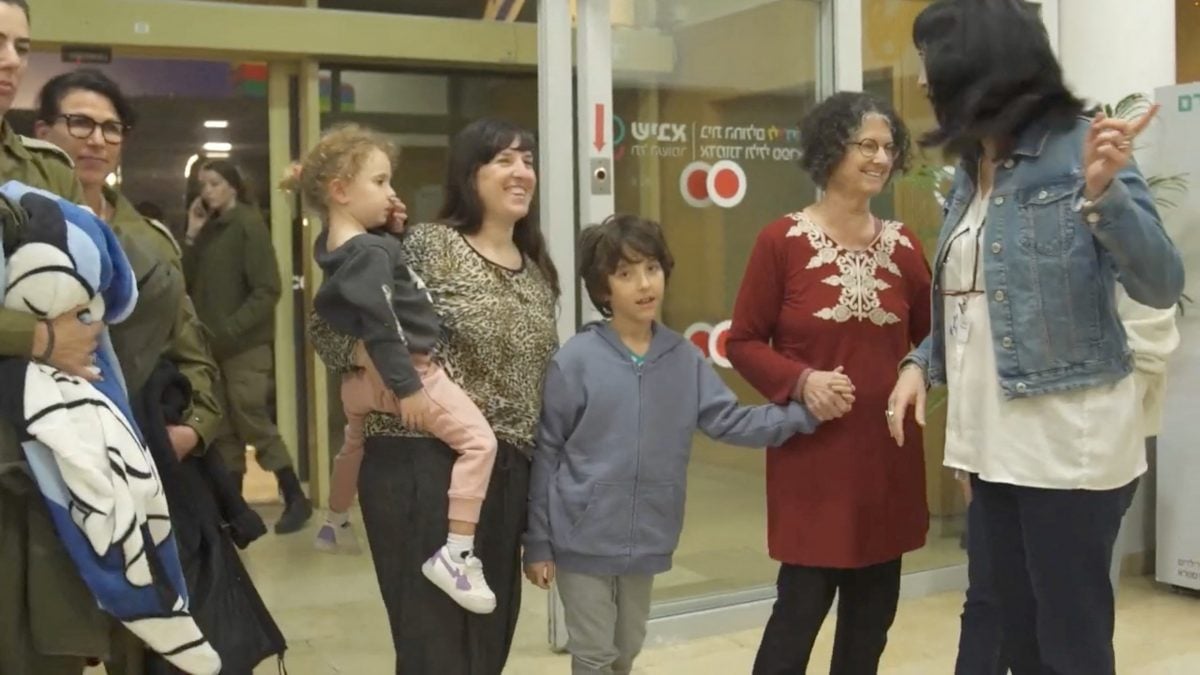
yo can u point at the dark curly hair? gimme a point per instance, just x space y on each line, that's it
828 130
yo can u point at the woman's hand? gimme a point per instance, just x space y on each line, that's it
540 573
197 217
909 392
1108 149
414 410
829 394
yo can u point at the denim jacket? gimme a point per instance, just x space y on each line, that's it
1051 261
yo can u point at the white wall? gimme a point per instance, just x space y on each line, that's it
399 93
1108 50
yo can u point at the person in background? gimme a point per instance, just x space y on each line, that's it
233 279
595 471
1047 214
832 298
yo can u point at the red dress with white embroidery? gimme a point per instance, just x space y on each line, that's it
846 496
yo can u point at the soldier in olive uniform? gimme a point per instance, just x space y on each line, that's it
49 621
233 277
86 114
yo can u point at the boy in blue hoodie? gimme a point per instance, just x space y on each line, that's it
621 402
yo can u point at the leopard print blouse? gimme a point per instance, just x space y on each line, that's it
498 332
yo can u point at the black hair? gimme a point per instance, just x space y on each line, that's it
991 72
828 129
618 239
233 176
476 145
87 79
21 5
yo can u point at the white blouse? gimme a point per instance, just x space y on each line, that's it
1086 439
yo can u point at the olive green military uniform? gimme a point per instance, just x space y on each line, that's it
233 279
164 324
49 622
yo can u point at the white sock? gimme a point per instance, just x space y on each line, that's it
460 545
338 519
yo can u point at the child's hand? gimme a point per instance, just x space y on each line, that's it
828 394
397 216
540 573
414 410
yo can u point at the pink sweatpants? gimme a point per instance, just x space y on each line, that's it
453 418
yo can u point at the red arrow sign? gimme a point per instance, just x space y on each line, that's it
599 132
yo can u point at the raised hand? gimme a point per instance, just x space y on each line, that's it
1108 148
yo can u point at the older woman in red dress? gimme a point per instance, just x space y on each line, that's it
833 298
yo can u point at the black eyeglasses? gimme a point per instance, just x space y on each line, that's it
82 127
870 147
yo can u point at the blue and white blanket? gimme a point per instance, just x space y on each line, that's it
85 452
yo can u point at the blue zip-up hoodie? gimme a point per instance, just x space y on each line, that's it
610 467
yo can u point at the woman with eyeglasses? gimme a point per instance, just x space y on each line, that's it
86 114
832 298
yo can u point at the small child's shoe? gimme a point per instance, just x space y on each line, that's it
337 539
462 580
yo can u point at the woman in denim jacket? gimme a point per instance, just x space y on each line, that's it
1046 215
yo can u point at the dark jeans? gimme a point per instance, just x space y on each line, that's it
1049 553
402 490
980 638
867 599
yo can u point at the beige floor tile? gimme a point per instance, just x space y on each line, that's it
329 609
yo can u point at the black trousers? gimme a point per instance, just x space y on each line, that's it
867 599
1050 556
980 637
402 491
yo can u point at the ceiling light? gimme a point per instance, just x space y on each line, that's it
218 146
216 124
187 168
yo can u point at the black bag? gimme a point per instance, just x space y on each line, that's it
199 492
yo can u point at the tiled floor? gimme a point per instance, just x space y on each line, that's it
328 606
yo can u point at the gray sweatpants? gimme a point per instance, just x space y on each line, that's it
606 620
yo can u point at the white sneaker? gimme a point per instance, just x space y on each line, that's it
337 539
462 580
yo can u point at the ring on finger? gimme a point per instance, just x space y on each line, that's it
890 413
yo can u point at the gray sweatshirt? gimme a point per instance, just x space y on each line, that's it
370 293
610 466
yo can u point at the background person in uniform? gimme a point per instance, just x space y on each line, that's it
233 278
49 621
